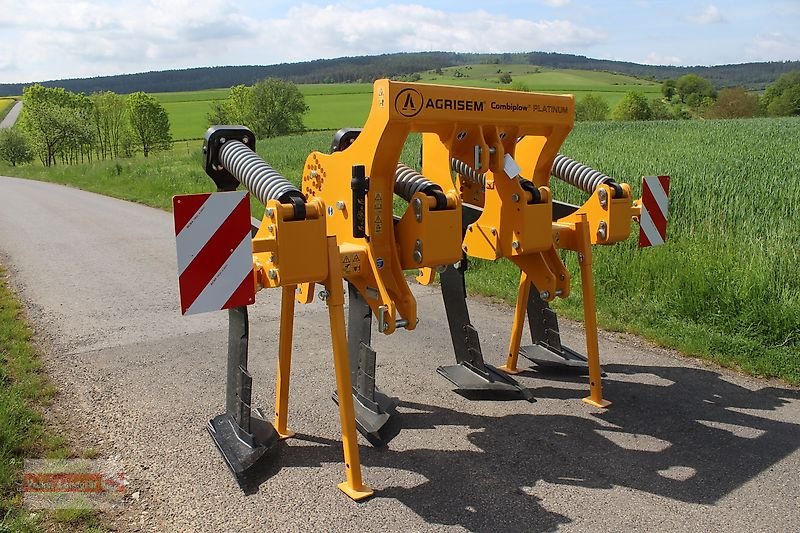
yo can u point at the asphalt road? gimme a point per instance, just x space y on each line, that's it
685 447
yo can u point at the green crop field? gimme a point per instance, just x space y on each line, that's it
726 286
192 96
539 79
5 106
4 103
331 106
334 106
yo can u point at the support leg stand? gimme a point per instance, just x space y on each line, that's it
353 485
595 397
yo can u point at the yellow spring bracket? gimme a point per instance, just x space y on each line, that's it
477 126
511 225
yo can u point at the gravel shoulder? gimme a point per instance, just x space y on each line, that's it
686 446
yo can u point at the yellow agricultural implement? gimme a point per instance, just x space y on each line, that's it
484 192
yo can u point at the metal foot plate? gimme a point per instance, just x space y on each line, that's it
544 356
356 494
597 403
372 418
490 383
244 460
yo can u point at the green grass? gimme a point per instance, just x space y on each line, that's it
611 87
24 393
188 118
5 106
192 96
339 105
539 79
331 106
336 111
726 286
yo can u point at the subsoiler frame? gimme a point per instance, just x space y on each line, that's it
478 126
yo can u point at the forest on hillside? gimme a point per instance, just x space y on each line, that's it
754 76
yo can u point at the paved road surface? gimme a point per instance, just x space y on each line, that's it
685 447
12 116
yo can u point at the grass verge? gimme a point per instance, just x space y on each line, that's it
5 107
24 393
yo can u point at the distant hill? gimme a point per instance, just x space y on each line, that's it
368 68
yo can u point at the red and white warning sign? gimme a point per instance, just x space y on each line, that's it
655 209
215 251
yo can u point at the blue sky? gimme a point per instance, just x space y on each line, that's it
50 39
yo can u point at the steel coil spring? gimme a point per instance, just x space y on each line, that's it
408 182
463 169
578 175
263 181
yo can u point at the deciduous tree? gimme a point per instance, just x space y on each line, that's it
57 122
668 89
659 110
278 107
110 122
735 102
694 89
149 122
14 147
782 98
633 106
591 108
236 109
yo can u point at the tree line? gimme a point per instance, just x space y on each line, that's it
57 125
754 76
368 68
60 126
692 96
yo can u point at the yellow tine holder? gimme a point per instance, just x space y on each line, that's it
284 362
516 330
595 397
353 486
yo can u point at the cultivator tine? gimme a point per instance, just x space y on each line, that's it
373 408
471 373
547 349
244 438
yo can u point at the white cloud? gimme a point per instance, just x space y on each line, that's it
710 15
556 3
55 39
338 30
654 58
774 47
